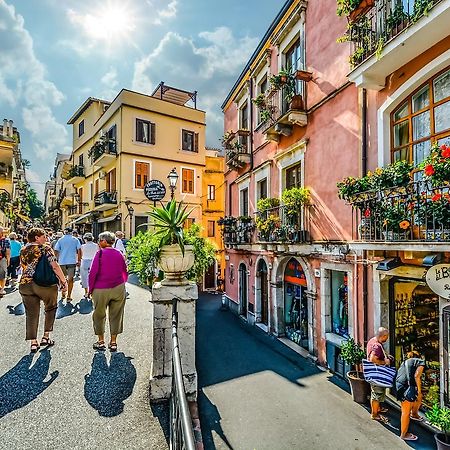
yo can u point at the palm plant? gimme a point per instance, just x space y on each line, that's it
168 221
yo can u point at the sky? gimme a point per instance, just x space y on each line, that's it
54 54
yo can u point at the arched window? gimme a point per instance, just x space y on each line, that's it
421 119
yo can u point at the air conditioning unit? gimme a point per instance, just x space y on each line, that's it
101 174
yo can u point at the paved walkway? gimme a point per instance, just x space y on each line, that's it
71 397
256 393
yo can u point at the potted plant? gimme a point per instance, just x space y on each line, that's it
436 167
175 258
440 417
353 354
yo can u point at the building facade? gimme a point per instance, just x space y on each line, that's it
305 113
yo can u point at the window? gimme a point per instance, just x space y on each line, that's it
81 128
423 118
111 181
294 176
187 180
111 136
188 223
243 117
81 160
189 141
211 192
262 189
145 131
262 88
97 187
211 228
339 302
244 202
294 61
141 174
91 191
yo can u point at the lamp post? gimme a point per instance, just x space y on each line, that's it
130 213
173 178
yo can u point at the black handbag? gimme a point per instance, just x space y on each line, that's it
411 394
44 275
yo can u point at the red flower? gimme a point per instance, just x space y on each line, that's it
436 197
367 213
410 205
429 170
445 151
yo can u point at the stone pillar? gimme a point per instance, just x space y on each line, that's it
161 368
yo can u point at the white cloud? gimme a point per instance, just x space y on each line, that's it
24 81
209 65
163 10
36 183
110 83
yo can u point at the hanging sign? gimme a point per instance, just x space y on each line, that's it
438 279
154 190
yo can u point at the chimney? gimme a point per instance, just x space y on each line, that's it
5 127
11 130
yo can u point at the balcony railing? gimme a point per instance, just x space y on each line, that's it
77 209
281 224
238 149
237 230
416 212
105 197
75 172
384 21
104 146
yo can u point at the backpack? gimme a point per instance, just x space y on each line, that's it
44 275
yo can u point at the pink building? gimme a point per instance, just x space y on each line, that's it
316 272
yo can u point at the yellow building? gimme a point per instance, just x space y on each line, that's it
119 146
213 209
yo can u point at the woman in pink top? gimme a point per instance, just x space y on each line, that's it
107 279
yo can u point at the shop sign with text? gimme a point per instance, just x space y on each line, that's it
438 279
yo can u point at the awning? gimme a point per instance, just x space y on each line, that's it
79 219
405 271
21 216
107 219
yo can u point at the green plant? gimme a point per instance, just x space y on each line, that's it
357 56
295 198
285 79
422 8
350 187
168 221
267 224
432 396
396 18
440 417
434 212
352 353
395 216
379 47
436 167
259 100
393 175
267 203
345 7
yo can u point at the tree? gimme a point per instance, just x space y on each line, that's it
35 205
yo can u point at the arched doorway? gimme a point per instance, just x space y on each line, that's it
243 290
262 273
296 303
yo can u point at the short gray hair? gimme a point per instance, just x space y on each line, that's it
382 331
107 236
13 236
88 237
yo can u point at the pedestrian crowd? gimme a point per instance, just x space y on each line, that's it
45 264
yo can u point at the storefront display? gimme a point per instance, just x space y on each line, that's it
339 303
415 317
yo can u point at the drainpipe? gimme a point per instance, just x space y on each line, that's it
251 124
365 274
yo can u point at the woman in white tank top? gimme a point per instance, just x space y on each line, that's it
88 251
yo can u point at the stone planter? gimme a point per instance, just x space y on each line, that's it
175 265
359 386
440 442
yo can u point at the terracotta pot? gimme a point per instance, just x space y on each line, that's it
303 75
363 7
359 386
440 442
297 102
175 265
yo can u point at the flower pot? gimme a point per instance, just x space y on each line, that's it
362 8
303 75
440 442
297 102
175 265
359 386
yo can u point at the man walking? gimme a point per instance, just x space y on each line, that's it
377 355
68 251
5 256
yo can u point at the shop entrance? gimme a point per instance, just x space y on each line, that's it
264 292
414 313
296 304
243 290
210 277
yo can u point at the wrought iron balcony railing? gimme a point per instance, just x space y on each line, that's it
416 212
238 149
282 224
237 230
384 21
105 197
75 171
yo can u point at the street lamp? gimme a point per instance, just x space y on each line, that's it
173 178
130 213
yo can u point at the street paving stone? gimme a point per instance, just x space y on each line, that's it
255 394
71 397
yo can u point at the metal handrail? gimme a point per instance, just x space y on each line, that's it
181 429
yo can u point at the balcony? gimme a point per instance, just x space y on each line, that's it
282 115
391 34
237 231
237 149
282 224
67 196
75 174
418 213
103 152
105 200
76 210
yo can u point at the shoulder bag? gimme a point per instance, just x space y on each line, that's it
44 275
382 376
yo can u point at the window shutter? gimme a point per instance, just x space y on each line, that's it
137 182
96 186
113 180
108 182
195 142
152 133
145 173
191 181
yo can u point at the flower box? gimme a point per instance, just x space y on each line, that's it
363 7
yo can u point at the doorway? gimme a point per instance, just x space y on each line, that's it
243 290
210 277
263 291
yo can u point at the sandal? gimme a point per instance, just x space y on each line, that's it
410 437
99 345
112 347
47 342
417 419
383 410
34 348
380 418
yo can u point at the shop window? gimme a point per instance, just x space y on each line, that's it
339 302
189 141
141 174
244 202
145 131
211 228
294 176
422 119
211 192
262 189
187 181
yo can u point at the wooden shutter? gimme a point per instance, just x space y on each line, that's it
195 142
80 204
96 186
152 133
141 174
188 181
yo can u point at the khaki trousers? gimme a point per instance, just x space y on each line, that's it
112 299
32 294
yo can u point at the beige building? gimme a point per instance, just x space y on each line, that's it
119 146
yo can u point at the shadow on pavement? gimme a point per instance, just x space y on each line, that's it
161 410
84 306
65 310
106 387
25 382
18 310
